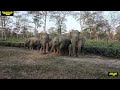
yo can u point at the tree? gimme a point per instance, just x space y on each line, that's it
39 17
24 25
5 21
17 24
89 20
52 31
59 17
114 18
118 33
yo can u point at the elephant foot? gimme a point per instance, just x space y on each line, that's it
70 55
49 52
59 54
79 55
74 55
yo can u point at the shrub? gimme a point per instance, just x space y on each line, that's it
109 49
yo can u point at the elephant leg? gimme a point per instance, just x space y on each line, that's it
31 48
74 50
44 49
54 50
41 49
78 51
60 50
57 50
82 50
79 48
47 48
69 49
69 54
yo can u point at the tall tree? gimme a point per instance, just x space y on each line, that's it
5 21
17 24
59 17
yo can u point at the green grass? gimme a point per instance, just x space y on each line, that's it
15 40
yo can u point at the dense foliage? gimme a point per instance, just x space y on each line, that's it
103 48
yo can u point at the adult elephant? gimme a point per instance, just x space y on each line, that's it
44 38
54 44
32 43
77 42
64 42
60 44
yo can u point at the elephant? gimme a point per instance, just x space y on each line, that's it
64 42
44 38
32 43
74 35
60 44
77 43
55 44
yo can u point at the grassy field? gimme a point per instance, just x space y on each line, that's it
20 63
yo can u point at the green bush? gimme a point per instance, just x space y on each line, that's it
103 48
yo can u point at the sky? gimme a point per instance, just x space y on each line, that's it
70 23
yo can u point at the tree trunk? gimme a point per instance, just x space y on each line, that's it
2 33
45 20
4 29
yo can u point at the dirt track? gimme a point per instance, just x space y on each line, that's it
19 63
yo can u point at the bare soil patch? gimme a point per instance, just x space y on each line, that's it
20 63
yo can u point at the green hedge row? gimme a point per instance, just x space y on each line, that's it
12 44
109 49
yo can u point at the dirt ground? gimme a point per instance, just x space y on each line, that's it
20 63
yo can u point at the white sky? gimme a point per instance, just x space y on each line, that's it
70 23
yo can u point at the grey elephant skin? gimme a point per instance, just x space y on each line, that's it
32 43
77 43
60 44
44 38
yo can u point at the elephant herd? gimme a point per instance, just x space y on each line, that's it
71 44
